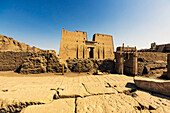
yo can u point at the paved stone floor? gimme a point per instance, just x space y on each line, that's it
76 93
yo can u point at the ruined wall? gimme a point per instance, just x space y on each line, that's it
10 61
31 62
73 44
130 64
41 62
152 63
119 63
91 65
152 56
104 48
126 63
9 44
168 61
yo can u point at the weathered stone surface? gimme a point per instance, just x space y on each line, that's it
72 90
11 61
152 63
91 65
75 45
98 88
118 103
9 44
41 62
57 106
159 86
21 98
49 92
168 61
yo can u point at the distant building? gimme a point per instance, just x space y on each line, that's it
76 45
165 48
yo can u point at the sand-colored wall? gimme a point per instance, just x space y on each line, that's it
75 45
168 66
155 56
105 48
72 44
10 61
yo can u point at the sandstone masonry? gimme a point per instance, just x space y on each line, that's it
75 45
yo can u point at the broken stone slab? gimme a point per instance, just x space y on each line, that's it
57 106
72 90
97 88
29 95
21 98
155 85
121 86
114 103
148 101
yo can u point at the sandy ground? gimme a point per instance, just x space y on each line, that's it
76 93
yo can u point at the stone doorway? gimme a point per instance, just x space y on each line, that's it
91 51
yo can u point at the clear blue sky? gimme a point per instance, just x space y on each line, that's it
39 22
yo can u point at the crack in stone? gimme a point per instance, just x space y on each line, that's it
75 111
85 88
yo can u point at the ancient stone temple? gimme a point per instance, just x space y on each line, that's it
76 45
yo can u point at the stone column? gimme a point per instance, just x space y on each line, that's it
119 63
134 64
168 63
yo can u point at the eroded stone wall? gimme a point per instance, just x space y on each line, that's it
168 66
9 44
130 64
31 62
152 63
10 61
91 65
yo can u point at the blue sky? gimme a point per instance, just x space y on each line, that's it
39 22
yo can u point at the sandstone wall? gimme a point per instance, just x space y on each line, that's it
31 62
41 62
152 63
10 61
130 64
91 65
104 48
73 44
168 66
152 56
9 44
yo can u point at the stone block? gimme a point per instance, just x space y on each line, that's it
155 85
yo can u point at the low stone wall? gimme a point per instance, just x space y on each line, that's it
152 56
155 85
152 63
30 62
168 61
42 62
10 61
91 65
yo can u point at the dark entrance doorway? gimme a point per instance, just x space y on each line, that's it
91 52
